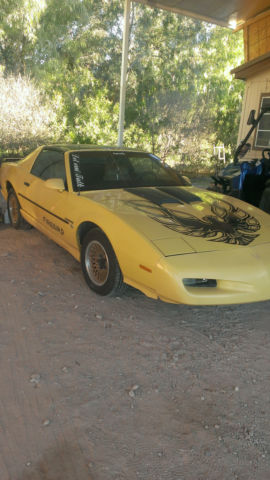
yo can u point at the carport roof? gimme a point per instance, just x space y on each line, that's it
222 12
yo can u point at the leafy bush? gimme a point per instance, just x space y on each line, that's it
27 118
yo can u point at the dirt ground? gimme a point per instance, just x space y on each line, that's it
124 389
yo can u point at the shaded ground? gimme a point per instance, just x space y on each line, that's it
124 389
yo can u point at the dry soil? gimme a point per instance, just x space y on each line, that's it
124 388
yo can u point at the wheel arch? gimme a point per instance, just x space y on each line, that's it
9 187
83 229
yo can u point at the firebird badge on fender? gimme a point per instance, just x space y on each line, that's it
53 226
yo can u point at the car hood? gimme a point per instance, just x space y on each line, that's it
181 220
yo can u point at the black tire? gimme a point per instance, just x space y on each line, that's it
100 266
14 211
265 200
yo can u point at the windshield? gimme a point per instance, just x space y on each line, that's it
106 170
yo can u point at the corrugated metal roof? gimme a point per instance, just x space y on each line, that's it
222 12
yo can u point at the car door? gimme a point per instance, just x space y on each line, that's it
48 206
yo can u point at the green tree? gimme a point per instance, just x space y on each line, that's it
19 23
181 97
180 82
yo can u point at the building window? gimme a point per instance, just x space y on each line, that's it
263 130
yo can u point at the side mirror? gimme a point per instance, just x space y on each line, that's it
55 184
189 184
251 117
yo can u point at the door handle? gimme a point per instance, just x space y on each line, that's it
26 184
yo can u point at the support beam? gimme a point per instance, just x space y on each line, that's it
124 73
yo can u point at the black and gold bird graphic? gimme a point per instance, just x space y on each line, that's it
226 223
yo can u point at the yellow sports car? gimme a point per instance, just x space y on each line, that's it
129 219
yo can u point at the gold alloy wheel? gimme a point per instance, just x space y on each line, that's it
97 263
13 209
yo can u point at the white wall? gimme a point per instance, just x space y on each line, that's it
255 86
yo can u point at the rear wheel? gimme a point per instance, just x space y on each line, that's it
99 264
14 211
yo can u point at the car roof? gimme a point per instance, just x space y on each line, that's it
74 146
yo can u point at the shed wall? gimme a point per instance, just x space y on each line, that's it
255 87
257 37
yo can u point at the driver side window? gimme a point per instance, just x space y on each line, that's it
49 164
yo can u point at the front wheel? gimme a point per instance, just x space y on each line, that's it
99 264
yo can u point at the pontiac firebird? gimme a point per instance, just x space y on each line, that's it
131 220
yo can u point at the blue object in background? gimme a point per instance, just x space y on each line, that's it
251 169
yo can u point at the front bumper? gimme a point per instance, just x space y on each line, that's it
242 276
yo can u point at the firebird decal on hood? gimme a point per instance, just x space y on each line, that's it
227 224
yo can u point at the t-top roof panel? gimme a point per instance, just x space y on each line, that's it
228 13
